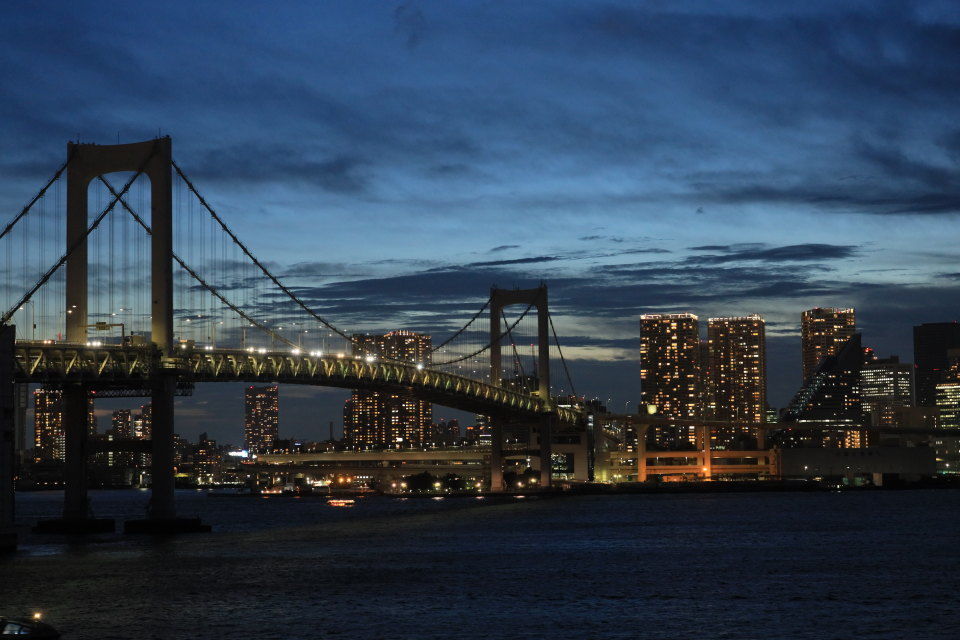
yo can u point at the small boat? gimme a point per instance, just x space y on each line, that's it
33 628
340 502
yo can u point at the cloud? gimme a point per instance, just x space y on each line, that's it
503 247
500 263
812 252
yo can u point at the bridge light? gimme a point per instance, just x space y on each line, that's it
370 358
419 366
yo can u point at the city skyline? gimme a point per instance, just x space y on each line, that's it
831 182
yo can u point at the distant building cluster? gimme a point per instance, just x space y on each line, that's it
384 419
845 388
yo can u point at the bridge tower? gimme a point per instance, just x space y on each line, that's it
537 298
153 158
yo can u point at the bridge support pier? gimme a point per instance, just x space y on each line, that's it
161 433
8 535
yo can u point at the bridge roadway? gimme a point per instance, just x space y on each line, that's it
110 366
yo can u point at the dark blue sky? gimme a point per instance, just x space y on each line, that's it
720 158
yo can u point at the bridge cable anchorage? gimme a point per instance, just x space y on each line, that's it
197 276
563 360
56 176
362 347
90 229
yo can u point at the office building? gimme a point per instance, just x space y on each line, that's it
670 372
383 419
947 448
931 343
823 332
885 384
262 418
830 401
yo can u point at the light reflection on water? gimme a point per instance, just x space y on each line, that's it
871 564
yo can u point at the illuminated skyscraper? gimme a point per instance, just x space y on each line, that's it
262 418
931 343
378 418
885 384
670 371
824 331
738 371
49 435
948 403
830 400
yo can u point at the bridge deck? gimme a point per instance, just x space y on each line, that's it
123 365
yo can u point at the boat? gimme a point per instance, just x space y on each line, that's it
33 628
340 502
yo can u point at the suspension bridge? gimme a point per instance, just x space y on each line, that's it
146 256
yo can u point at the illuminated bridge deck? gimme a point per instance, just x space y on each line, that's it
118 366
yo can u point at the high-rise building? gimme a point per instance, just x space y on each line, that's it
947 448
121 427
48 431
49 437
670 372
738 367
931 342
382 419
830 401
707 395
824 331
885 384
121 422
262 418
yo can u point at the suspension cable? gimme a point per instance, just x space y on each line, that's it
490 344
556 341
363 348
79 241
463 328
56 176
195 275
516 355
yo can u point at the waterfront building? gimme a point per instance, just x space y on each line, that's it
738 367
121 428
707 391
885 384
383 419
49 435
670 372
824 331
948 404
830 400
932 342
262 418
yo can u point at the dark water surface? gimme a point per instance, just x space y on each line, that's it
768 565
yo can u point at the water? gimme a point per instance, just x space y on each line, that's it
780 565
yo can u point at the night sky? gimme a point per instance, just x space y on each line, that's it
394 158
